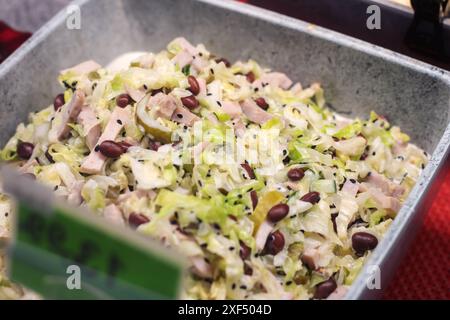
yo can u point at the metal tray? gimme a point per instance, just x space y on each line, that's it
357 77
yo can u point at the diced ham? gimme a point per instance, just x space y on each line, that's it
276 79
391 204
239 127
350 188
82 68
202 85
261 235
183 59
385 185
212 117
186 45
74 198
233 109
255 113
201 268
199 63
94 162
186 55
70 114
164 105
135 94
184 116
91 125
114 214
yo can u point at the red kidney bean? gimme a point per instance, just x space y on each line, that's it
225 61
311 197
25 150
111 149
245 251
59 101
278 212
333 219
123 100
262 103
250 77
194 87
249 170
308 261
254 197
363 241
156 91
154 145
125 145
296 174
325 288
136 219
190 102
274 243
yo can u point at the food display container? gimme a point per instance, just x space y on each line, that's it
357 77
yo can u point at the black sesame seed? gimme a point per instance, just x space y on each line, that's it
97 148
119 121
179 116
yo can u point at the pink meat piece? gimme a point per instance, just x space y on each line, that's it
70 114
165 104
82 68
255 113
350 188
114 214
74 198
199 63
391 204
276 79
186 56
94 162
184 116
202 86
186 45
183 59
135 94
91 125
239 127
233 109
385 185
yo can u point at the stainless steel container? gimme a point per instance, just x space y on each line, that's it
357 77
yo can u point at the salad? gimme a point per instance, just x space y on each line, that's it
266 191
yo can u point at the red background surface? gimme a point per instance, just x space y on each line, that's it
425 271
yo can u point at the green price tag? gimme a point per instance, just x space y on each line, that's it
64 253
